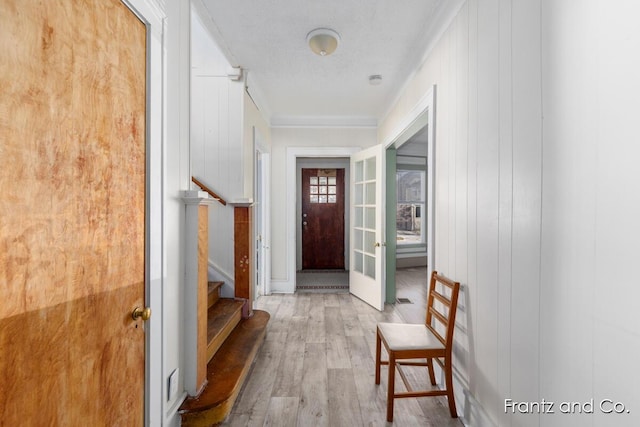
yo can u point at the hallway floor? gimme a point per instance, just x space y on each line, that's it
316 366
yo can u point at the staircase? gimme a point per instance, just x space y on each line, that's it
232 345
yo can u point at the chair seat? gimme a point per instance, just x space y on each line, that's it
403 336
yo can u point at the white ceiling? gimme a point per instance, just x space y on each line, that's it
293 86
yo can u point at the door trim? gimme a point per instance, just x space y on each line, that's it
262 185
424 112
147 11
289 285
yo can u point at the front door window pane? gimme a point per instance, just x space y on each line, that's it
320 186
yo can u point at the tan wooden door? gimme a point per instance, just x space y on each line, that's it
72 213
322 218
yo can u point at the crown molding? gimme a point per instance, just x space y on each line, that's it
324 122
442 18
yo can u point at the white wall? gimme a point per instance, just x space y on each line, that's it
176 179
253 122
284 249
591 205
216 143
538 222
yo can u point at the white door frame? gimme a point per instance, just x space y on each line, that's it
424 112
154 388
292 154
262 188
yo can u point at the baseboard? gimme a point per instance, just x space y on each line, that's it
474 414
173 418
282 286
470 412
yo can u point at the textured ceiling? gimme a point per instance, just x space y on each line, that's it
292 85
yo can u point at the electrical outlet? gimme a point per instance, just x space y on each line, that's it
172 385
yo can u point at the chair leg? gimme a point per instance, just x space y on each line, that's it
432 375
378 353
391 385
449 383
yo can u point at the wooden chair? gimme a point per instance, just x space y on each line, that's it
432 341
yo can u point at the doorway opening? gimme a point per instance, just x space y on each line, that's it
322 224
411 196
412 224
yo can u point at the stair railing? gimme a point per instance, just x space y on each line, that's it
208 190
243 258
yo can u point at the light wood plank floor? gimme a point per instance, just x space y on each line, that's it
316 367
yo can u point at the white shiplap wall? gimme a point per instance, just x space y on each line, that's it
537 203
217 142
591 206
175 180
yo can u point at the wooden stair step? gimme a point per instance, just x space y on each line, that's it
213 292
226 373
222 318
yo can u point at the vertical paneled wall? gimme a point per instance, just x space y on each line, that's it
569 190
216 156
590 206
486 68
176 180
216 139
537 204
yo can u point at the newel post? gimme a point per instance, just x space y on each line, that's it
243 254
196 258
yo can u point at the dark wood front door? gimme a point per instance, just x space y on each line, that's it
72 213
323 218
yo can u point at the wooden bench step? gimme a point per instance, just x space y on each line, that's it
226 373
222 318
213 291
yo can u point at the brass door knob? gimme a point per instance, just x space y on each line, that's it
141 313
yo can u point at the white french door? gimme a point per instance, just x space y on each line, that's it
366 272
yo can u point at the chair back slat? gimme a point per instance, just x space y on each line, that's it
439 316
443 299
437 334
441 308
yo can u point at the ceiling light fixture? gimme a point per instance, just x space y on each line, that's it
323 41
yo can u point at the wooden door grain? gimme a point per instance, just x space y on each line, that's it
72 209
323 219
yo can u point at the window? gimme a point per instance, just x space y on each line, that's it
410 207
322 189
